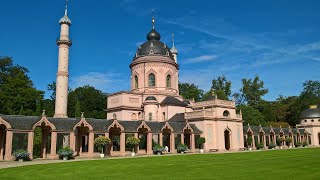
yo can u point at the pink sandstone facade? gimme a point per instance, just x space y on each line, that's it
152 111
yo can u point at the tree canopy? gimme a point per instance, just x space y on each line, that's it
190 91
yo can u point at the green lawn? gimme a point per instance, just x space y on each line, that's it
301 163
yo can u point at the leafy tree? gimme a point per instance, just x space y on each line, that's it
253 90
92 102
190 91
252 116
17 93
221 87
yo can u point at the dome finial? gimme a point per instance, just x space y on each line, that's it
172 40
153 21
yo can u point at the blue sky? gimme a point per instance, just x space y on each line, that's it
277 40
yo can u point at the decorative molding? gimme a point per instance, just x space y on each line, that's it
3 122
144 125
84 123
115 124
46 121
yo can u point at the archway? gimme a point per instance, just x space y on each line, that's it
42 132
82 139
227 139
166 138
187 137
3 130
143 137
114 135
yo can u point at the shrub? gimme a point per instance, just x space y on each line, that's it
157 149
65 152
249 141
288 140
182 148
21 154
260 146
271 146
304 144
132 142
201 141
298 144
102 141
280 140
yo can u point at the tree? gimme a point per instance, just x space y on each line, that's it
253 90
17 93
252 116
88 100
222 87
190 91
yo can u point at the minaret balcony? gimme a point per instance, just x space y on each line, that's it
64 41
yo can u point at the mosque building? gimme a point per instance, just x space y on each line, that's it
152 111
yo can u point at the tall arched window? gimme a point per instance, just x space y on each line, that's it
150 116
169 80
136 86
152 80
226 113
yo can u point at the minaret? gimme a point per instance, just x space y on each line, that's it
174 51
64 44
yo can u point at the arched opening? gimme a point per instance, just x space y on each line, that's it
166 138
136 82
152 80
143 137
168 80
319 138
246 143
133 116
261 137
272 140
42 141
82 139
150 116
3 130
227 139
114 135
226 113
187 137
114 116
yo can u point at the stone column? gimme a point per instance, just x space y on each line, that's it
8 151
192 143
30 143
91 144
53 150
1 145
149 143
136 135
160 139
72 141
44 144
107 146
172 144
123 144
182 138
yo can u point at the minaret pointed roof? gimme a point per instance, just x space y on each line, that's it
173 49
65 19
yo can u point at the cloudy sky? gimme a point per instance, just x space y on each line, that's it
277 40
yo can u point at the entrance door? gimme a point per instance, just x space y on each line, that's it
227 140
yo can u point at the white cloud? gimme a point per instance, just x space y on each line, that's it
106 82
201 58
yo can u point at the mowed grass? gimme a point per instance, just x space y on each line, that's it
301 163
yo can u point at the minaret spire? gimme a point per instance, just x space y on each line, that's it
66 10
153 21
172 40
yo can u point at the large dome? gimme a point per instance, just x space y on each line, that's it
312 112
153 47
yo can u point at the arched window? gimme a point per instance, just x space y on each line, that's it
226 113
168 81
133 116
114 116
150 116
152 80
136 86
